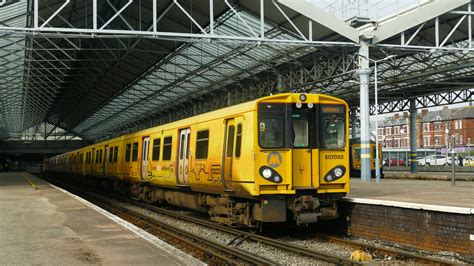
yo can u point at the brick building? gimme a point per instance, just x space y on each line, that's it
394 132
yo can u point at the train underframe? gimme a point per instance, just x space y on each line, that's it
304 208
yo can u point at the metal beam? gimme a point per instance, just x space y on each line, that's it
416 16
321 17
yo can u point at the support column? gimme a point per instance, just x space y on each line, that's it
413 136
364 76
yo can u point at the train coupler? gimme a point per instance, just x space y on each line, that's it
305 210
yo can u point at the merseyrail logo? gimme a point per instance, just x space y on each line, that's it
274 159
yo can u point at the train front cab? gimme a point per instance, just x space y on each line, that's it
302 157
355 162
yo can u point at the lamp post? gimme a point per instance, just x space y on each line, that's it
469 149
446 131
402 132
377 152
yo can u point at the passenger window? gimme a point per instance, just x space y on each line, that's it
115 154
100 156
167 144
238 141
127 152
230 141
135 152
156 150
202 144
97 156
111 154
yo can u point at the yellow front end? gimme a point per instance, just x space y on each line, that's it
302 153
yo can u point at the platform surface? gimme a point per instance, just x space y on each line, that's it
416 191
45 226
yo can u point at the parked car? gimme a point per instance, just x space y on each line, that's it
468 161
394 162
437 159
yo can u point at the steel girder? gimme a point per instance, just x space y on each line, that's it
95 82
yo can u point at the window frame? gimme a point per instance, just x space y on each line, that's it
135 148
154 151
202 140
115 154
238 140
128 152
322 117
166 145
111 154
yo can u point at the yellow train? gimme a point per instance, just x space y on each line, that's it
280 156
355 158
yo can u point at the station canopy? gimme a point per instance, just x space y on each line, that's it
96 67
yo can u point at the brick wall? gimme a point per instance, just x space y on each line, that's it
429 230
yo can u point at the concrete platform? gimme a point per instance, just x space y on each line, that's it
424 214
429 192
42 225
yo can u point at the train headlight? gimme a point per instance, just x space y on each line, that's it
270 174
299 105
338 172
310 105
267 173
335 173
302 97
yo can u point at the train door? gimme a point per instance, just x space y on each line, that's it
105 161
93 161
302 152
144 164
228 153
183 157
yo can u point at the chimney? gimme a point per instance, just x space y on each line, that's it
405 114
396 116
424 112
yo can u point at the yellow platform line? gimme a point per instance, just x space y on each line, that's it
33 185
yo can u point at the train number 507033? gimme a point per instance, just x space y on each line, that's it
333 156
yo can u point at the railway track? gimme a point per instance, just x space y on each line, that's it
242 235
382 251
206 250
230 253
227 253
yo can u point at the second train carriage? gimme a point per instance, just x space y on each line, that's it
355 162
246 164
